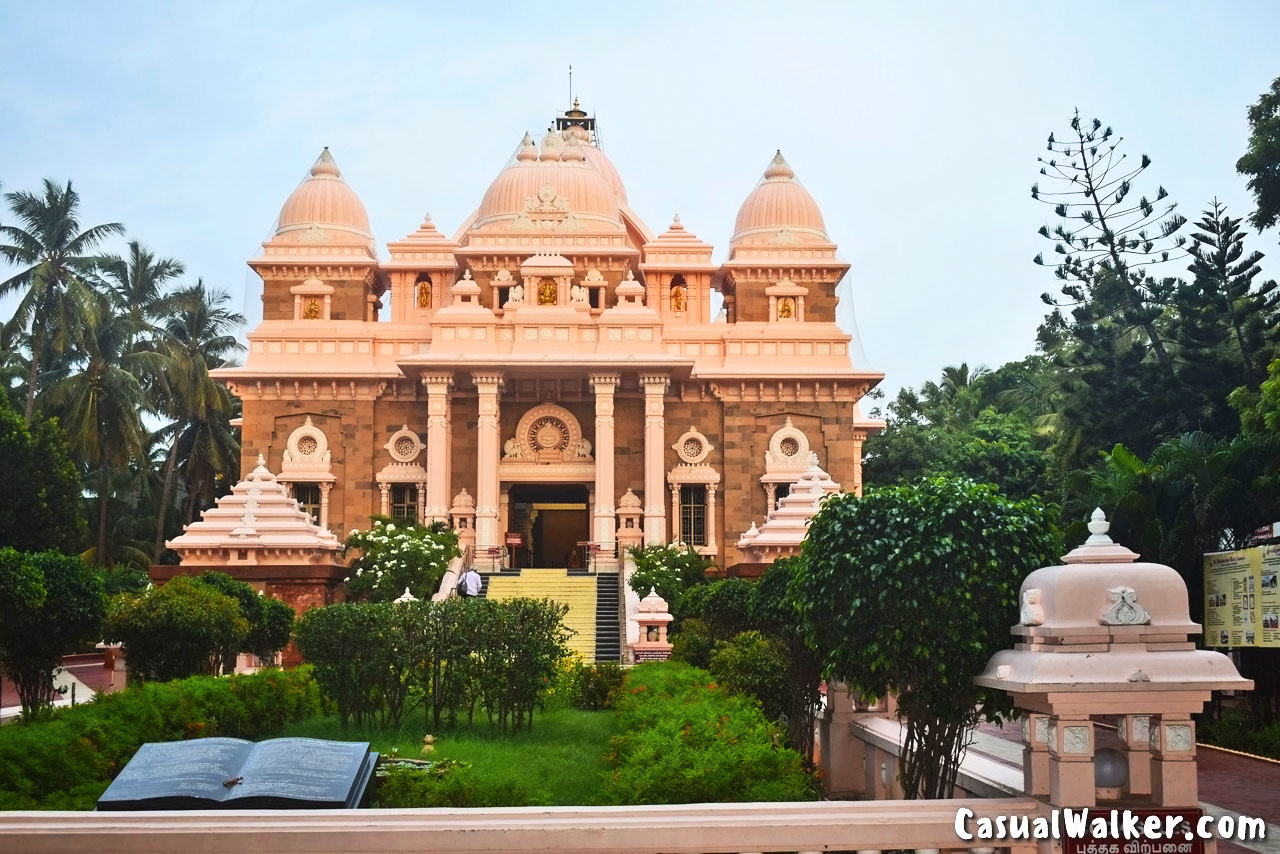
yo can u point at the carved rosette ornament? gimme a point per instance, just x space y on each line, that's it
547 433
404 445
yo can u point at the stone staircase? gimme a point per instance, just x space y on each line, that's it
608 637
577 591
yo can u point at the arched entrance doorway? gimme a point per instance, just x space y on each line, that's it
553 519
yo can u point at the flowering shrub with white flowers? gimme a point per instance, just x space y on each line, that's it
671 570
395 554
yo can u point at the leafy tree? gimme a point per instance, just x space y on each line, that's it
1262 161
946 553
270 620
42 506
56 299
1259 410
395 555
57 605
1228 327
180 629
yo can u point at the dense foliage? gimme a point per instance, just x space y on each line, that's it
68 761
1261 162
686 739
107 357
377 660
182 629
396 555
42 506
747 634
50 604
945 553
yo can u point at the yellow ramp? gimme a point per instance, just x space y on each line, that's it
577 591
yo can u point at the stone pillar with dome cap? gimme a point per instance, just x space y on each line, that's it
1106 635
653 618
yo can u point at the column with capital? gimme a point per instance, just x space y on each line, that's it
604 522
488 446
655 386
324 504
858 438
437 498
710 521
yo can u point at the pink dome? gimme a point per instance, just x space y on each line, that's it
324 201
603 165
779 202
563 180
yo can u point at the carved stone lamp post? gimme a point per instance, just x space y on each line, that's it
653 618
1104 635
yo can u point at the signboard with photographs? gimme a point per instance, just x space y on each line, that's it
1241 600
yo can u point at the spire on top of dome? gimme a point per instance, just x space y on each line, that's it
326 165
528 151
552 145
572 150
779 169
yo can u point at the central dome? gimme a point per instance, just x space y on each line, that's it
565 182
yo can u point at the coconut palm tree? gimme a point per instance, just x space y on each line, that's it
138 282
199 336
57 304
101 400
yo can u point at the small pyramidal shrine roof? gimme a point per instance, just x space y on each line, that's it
257 515
785 528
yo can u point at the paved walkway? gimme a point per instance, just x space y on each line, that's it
1230 783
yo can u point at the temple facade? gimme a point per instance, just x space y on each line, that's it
555 378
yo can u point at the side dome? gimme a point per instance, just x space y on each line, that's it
550 187
779 210
326 202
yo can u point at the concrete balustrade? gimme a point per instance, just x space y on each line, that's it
691 829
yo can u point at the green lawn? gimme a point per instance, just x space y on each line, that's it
559 763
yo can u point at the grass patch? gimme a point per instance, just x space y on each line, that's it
561 762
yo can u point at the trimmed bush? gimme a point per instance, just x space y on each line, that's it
459 786
68 761
688 740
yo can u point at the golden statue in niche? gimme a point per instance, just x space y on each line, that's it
424 294
786 308
677 298
547 292
313 310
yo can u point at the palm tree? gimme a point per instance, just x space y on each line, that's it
57 302
137 283
198 338
100 401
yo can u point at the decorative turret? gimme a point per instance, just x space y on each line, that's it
1106 635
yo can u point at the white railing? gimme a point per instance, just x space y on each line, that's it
871 826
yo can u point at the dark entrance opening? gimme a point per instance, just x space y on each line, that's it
553 519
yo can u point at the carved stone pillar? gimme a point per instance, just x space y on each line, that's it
655 386
771 497
488 444
420 510
710 521
1173 760
1035 754
603 519
1135 732
437 498
1071 761
324 503
384 489
675 513
858 438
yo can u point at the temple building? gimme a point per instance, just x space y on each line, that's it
555 378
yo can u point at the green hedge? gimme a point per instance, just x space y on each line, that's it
688 740
68 761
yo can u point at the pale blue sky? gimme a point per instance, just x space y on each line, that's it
914 125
